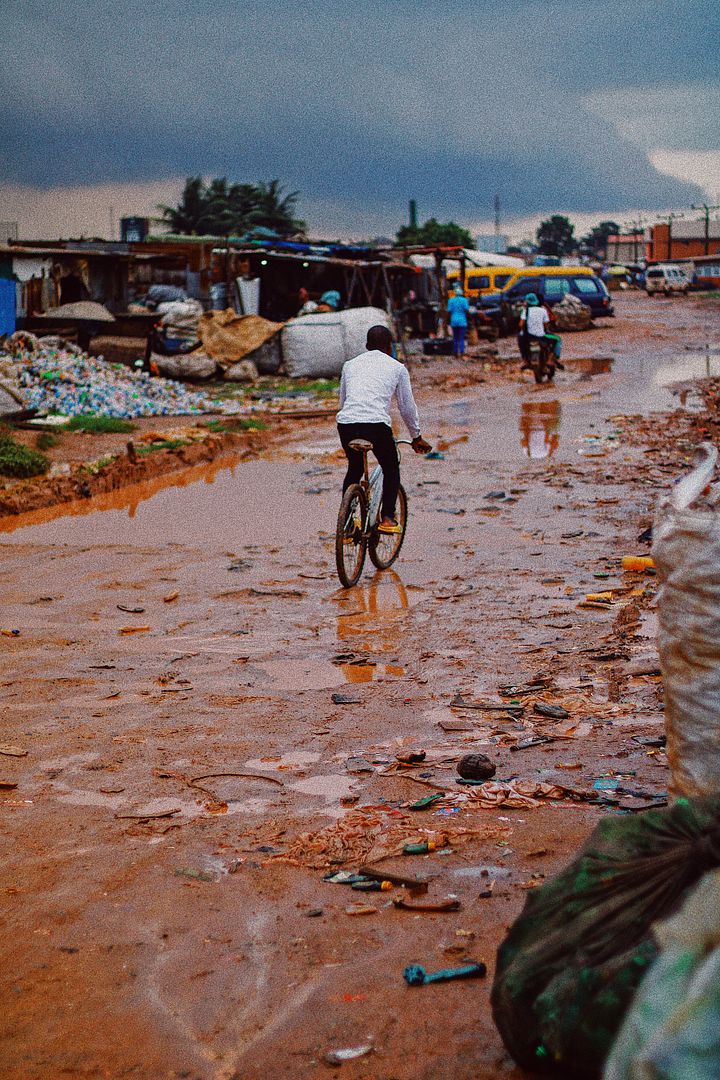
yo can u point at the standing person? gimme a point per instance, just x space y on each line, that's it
367 386
458 308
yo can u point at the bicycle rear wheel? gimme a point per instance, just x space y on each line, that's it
350 537
384 548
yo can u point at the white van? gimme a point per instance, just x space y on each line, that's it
666 278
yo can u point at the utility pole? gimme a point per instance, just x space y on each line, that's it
496 208
707 209
413 214
671 217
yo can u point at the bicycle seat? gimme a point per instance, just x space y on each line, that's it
362 445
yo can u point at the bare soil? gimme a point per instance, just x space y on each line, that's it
180 778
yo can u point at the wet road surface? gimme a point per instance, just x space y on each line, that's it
159 891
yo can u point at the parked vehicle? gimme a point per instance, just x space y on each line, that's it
666 278
482 280
554 283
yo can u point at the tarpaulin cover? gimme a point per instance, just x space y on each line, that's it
228 337
568 969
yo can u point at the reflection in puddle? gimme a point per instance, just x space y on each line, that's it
125 498
596 365
539 428
369 620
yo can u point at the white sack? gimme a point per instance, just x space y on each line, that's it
686 550
317 346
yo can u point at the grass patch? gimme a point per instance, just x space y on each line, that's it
46 440
241 423
321 387
20 461
100 425
162 444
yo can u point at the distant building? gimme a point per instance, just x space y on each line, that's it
496 243
670 241
133 230
628 248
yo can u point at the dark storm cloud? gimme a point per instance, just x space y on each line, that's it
371 101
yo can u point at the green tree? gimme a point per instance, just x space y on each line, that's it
555 236
221 209
596 240
434 232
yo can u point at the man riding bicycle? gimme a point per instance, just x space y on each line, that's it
367 386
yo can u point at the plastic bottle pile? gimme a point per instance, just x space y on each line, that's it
60 378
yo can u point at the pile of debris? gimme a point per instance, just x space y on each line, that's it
51 376
572 314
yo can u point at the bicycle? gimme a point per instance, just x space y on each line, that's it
357 524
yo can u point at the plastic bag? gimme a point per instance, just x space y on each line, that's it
673 1028
568 969
686 551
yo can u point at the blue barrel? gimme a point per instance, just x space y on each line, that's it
7 306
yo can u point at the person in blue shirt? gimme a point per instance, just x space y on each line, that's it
458 308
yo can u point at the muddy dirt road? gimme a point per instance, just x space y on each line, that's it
176 777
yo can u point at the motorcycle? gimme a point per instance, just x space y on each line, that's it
541 359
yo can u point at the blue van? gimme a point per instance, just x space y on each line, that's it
553 287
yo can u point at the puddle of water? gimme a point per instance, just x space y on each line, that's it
693 365
331 788
304 674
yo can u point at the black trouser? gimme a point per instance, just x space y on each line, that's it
384 449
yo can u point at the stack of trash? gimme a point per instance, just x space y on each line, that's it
52 376
572 314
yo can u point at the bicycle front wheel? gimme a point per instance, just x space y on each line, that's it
385 547
350 537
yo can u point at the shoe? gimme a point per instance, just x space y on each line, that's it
389 527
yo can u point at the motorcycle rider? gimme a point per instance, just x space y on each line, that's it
534 317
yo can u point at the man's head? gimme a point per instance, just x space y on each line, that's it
380 338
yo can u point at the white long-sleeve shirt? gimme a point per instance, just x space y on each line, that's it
367 385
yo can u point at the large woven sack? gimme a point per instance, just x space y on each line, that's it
317 346
686 550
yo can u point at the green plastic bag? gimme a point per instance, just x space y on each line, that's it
672 1031
570 965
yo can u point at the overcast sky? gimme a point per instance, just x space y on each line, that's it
568 106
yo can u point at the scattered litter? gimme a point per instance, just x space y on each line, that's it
494 495
12 751
638 563
140 816
416 975
527 744
410 757
424 804
7 785
419 849
554 712
170 597
359 765
650 740
337 1057
475 767
346 699
361 909
196 875
434 455
606 783
450 903
459 702
130 610
412 884
455 725
134 629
